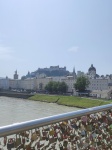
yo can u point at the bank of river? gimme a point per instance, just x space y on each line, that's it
15 94
13 110
71 101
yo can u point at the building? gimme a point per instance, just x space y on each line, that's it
110 86
104 94
38 84
80 73
92 72
101 85
4 83
16 75
98 84
69 80
14 84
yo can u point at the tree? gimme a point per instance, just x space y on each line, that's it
49 87
56 87
63 87
81 83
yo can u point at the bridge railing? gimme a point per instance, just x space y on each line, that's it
87 129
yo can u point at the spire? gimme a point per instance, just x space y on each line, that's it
16 71
16 75
74 74
73 69
28 73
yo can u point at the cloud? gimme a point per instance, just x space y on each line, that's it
74 49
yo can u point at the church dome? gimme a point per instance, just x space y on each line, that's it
92 68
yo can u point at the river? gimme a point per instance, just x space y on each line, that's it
15 110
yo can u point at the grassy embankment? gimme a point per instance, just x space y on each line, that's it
70 100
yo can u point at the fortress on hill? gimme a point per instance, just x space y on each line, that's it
52 71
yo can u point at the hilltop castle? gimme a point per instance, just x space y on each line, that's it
53 71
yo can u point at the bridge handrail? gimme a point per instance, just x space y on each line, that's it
32 124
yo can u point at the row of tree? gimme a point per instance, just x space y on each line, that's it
56 87
61 87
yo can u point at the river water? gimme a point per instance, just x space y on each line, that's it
13 110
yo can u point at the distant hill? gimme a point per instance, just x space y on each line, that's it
50 72
53 72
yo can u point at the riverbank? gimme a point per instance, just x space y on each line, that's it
15 94
71 101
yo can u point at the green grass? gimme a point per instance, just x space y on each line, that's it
45 98
70 100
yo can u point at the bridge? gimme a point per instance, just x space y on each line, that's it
87 129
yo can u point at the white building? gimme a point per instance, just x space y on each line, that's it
40 83
4 83
69 80
80 73
14 83
105 94
110 85
98 84
28 84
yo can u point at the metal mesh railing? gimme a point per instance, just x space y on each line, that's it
87 129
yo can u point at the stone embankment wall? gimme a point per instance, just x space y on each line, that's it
15 94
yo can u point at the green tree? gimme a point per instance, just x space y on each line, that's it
63 87
81 83
49 87
56 87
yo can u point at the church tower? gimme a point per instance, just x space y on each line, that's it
16 75
74 74
92 71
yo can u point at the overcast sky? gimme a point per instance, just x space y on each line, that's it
43 33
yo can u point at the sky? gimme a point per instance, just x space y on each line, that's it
42 33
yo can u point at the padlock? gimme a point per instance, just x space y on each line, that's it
23 140
11 143
5 141
44 133
25 134
65 143
51 132
83 133
94 135
46 129
38 145
84 120
89 127
51 140
34 136
18 140
74 126
61 146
